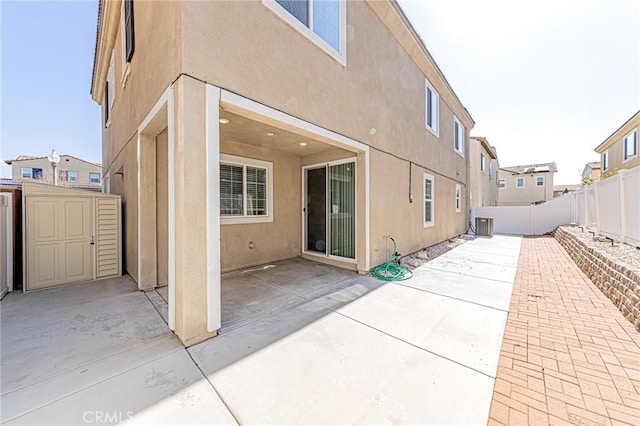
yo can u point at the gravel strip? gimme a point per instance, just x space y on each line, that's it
625 254
419 258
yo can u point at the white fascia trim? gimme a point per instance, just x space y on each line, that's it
245 161
340 56
241 105
212 179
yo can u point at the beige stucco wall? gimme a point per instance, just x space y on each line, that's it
67 163
511 195
162 203
483 184
155 64
381 87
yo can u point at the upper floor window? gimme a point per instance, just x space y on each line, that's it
630 145
483 162
67 176
458 136
458 198
428 206
321 21
432 101
605 161
502 183
128 37
109 94
94 177
540 181
520 182
246 190
31 173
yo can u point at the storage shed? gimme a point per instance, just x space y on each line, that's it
69 236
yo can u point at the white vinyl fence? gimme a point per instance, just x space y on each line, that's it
610 207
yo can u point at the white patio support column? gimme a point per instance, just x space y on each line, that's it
623 216
191 197
214 302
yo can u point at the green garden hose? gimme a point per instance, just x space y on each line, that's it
392 270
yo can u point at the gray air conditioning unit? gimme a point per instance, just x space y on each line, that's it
484 226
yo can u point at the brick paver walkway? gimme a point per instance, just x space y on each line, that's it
568 355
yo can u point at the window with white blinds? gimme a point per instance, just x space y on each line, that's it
246 190
429 207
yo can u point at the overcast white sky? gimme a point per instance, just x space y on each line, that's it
545 80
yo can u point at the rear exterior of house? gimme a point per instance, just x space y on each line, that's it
483 173
72 171
620 149
525 185
249 132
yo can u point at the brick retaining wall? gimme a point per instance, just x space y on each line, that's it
616 281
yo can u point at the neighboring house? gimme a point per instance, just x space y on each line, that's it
620 149
591 172
245 132
483 173
524 185
72 171
559 190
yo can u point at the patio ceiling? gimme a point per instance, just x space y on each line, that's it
250 132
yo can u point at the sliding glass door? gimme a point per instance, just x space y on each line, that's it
330 209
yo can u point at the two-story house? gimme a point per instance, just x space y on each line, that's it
525 185
620 149
241 133
483 173
72 171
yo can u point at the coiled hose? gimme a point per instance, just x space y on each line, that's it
392 270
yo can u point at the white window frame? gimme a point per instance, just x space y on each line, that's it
425 177
460 149
625 158
126 68
22 170
435 115
483 162
523 182
458 198
543 180
96 174
75 179
244 162
504 183
605 161
307 31
112 90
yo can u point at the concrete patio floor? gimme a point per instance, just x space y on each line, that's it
301 342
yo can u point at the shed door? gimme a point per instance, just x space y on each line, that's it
58 241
